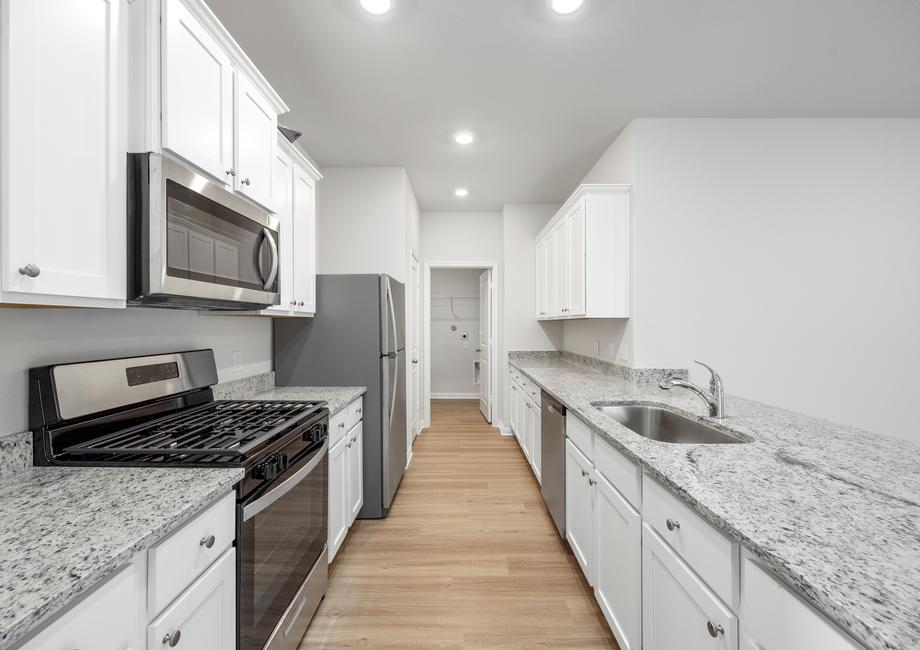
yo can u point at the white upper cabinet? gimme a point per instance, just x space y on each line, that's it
304 215
583 271
63 98
256 134
197 87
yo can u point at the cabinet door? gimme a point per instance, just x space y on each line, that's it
527 423
550 304
197 87
304 241
108 619
579 507
62 151
540 279
561 238
512 408
204 615
576 260
355 462
256 138
282 193
338 497
678 609
535 441
617 564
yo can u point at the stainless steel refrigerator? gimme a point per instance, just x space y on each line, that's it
356 339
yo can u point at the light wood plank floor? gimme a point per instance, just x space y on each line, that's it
468 557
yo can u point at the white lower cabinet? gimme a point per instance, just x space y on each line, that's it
678 609
536 440
579 507
204 616
346 473
618 564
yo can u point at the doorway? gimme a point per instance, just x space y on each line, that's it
460 335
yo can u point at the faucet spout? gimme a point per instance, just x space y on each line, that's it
714 398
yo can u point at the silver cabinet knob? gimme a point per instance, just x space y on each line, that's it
172 639
300 304
207 542
245 181
591 481
31 270
341 425
713 629
231 172
360 411
673 524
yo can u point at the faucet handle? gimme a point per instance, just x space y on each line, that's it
715 380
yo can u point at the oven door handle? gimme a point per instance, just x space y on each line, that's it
252 509
273 270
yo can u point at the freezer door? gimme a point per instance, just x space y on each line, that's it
393 314
394 424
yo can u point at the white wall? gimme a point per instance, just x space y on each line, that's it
461 236
35 337
362 221
452 358
785 252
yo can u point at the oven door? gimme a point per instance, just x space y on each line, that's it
204 246
282 539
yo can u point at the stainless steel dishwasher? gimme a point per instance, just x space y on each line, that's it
552 459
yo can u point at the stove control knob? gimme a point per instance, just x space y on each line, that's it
268 470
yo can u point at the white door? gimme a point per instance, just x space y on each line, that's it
485 344
338 496
561 238
415 352
576 260
304 210
513 395
284 205
550 303
617 564
255 141
526 424
678 610
535 441
63 150
540 284
204 616
355 462
579 507
197 83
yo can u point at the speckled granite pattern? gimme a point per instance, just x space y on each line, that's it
833 510
637 375
15 453
336 397
63 530
242 388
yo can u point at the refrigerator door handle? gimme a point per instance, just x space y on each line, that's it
393 387
392 311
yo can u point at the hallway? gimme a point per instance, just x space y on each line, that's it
468 557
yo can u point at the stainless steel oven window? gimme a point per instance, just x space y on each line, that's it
282 535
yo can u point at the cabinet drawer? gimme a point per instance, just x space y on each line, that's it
355 412
580 435
622 473
204 616
107 619
338 427
712 555
525 385
779 620
180 558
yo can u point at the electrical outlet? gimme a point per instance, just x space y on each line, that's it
237 361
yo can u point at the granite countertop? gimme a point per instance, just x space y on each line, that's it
64 530
336 397
833 510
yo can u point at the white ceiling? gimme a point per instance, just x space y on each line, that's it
547 95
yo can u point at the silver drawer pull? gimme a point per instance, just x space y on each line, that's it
341 425
172 639
673 524
714 630
207 542
584 473
591 481
245 181
30 270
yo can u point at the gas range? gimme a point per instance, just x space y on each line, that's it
159 411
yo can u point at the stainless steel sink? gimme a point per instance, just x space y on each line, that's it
656 423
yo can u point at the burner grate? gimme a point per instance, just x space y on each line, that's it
222 429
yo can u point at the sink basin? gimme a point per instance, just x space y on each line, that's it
659 424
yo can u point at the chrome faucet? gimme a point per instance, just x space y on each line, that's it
714 398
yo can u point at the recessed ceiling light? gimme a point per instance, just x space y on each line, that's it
461 192
377 7
565 7
464 137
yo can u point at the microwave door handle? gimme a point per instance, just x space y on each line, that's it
273 247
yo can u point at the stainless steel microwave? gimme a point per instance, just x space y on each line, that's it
194 244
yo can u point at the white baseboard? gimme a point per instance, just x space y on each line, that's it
455 396
506 431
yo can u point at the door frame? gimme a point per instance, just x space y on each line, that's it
494 395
